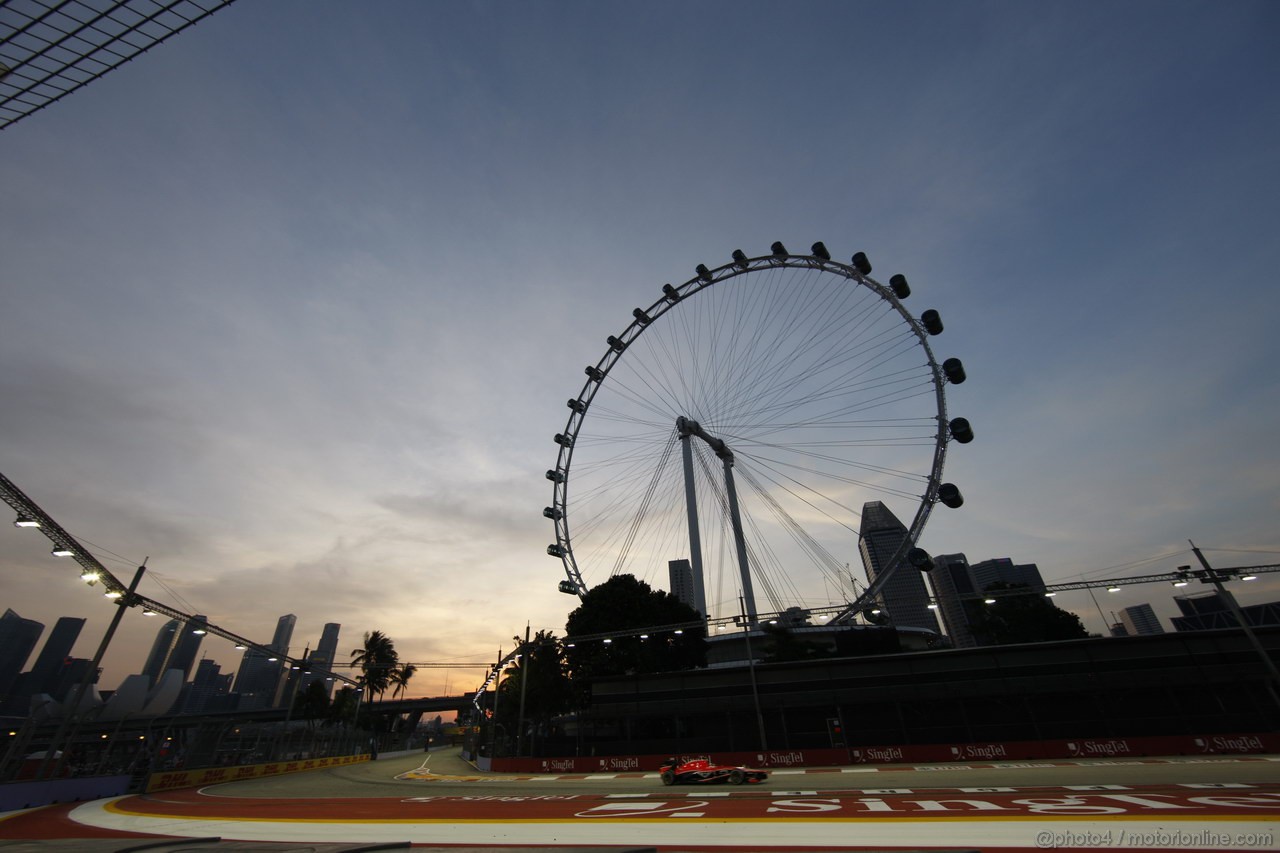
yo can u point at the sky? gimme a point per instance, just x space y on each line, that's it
290 305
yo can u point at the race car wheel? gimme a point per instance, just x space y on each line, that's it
668 778
737 777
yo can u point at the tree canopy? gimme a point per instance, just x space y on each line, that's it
377 659
548 691
621 603
400 677
311 704
342 710
1030 618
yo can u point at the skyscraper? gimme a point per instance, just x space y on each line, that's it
57 649
950 579
258 677
953 578
1205 610
904 596
322 658
18 637
284 634
256 680
207 686
185 648
1004 570
680 573
71 674
327 650
1140 619
159 654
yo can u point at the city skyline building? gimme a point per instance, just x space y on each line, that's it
258 678
207 688
954 577
1140 619
680 576
904 597
326 650
950 580
294 677
71 674
187 645
283 635
1207 610
175 646
46 673
1004 570
18 637
54 654
322 658
153 667
255 680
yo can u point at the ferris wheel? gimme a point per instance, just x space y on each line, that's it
742 421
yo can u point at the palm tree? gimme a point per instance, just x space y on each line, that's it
400 678
377 660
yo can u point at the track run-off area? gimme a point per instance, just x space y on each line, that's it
1207 803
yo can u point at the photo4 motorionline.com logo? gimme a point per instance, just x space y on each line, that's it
1170 839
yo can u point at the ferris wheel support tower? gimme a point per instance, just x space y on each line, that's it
687 429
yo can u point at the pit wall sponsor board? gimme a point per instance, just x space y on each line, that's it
171 780
993 751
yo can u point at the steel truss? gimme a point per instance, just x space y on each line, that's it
30 510
50 48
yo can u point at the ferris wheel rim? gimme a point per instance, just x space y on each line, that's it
672 296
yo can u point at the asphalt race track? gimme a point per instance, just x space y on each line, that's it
439 801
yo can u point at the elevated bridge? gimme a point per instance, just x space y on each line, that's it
421 706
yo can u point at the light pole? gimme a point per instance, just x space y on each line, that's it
747 621
1106 627
355 715
527 660
1213 576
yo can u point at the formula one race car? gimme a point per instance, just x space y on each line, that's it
701 771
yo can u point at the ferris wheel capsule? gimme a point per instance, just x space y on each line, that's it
954 370
960 430
932 322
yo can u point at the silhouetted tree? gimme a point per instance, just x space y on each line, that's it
377 660
342 710
400 678
1030 618
311 704
548 692
623 602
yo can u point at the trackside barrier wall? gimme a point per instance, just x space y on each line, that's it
1119 747
26 795
169 780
